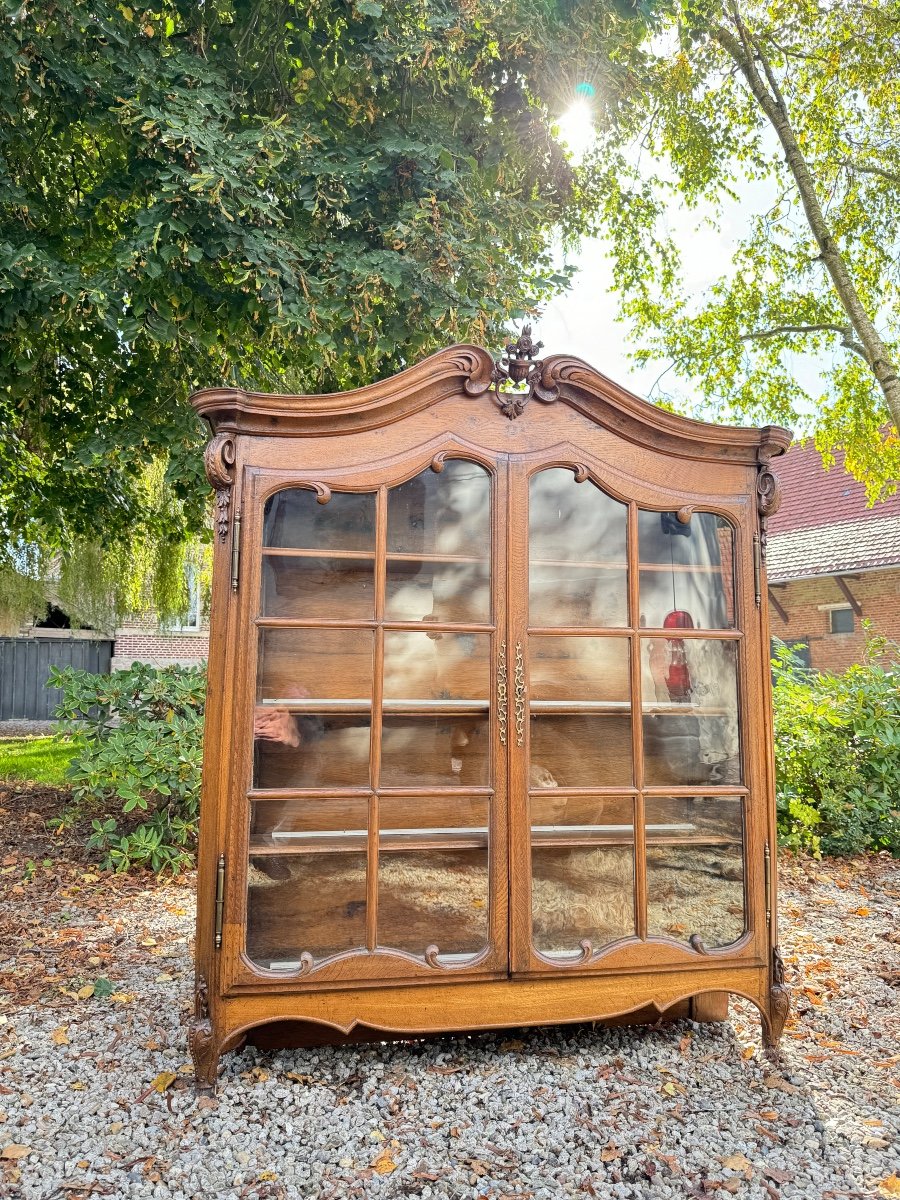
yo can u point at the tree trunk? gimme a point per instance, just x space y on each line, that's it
744 51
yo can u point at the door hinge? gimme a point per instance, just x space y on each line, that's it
220 899
236 551
767 859
757 569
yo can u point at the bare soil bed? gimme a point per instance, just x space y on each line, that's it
96 1094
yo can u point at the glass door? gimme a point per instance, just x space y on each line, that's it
376 809
631 760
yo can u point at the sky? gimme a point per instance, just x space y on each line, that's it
582 321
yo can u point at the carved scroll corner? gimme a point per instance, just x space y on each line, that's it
218 459
684 514
582 472
779 1002
587 950
768 491
202 1042
431 955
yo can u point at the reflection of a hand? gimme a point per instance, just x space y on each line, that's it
276 725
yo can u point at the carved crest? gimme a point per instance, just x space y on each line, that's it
519 367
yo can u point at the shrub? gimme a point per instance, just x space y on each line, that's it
138 738
837 753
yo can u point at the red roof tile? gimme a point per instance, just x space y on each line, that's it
812 496
824 525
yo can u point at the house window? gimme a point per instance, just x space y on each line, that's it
840 620
190 621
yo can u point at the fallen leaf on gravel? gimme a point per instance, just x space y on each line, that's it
610 1153
773 1081
862 912
876 1143
15 1150
512 1044
890 1186
60 1036
164 1080
738 1162
384 1163
778 1176
84 993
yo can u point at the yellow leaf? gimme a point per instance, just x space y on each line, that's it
122 997
610 1153
669 1089
15 1150
77 1086
60 1036
164 1080
737 1162
267 1176
384 1163
86 992
376 1135
862 912
890 1186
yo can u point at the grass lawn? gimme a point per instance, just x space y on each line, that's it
39 760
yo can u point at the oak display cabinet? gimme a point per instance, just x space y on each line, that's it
488 737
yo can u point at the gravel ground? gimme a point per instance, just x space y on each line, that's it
24 729
679 1110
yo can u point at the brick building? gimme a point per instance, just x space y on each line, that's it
832 561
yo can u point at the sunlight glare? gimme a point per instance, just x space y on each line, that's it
576 128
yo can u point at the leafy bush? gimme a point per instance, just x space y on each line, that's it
837 753
138 738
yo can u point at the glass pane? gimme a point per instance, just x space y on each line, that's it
435 751
306 894
439 545
295 518
312 716
695 868
433 876
437 667
580 751
577 551
690 711
567 669
582 873
687 571
318 587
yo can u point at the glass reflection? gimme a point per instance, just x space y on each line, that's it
691 733
687 571
439 545
294 518
695 869
306 884
577 551
582 867
433 876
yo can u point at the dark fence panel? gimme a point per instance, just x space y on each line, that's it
25 665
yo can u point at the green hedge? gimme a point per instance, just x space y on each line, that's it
138 738
837 753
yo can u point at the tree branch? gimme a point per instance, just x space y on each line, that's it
865 169
746 51
846 332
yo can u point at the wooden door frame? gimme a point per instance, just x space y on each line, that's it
642 952
355 969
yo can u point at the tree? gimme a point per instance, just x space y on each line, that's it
285 195
794 101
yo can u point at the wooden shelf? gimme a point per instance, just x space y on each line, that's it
476 838
369 555
466 708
